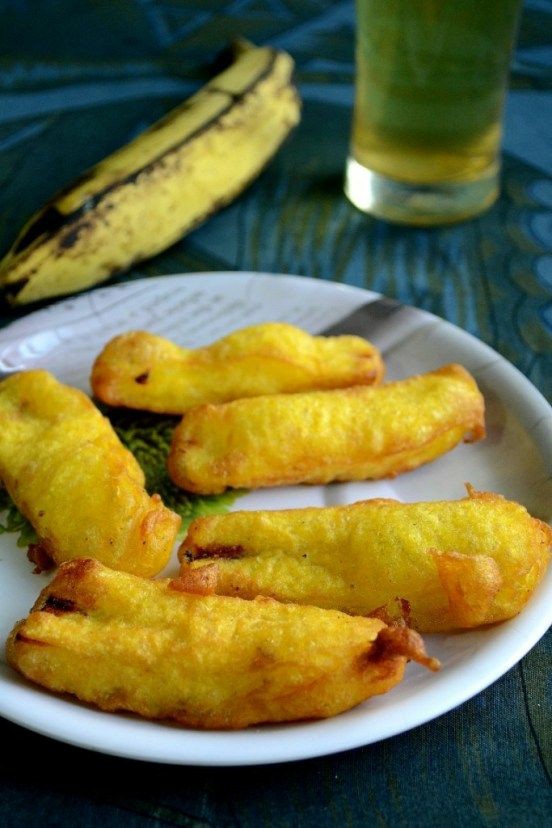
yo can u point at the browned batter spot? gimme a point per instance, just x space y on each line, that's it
24 639
201 581
58 606
38 554
227 552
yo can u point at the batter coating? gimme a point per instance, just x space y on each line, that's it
140 370
126 643
459 564
82 491
321 436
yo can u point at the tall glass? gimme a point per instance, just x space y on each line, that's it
430 88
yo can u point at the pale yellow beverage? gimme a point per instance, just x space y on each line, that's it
430 89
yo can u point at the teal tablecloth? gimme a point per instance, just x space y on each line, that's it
78 78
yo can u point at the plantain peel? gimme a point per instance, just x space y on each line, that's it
321 436
145 196
82 491
140 370
127 643
459 564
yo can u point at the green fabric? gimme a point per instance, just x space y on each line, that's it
79 78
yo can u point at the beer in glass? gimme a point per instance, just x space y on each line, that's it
430 88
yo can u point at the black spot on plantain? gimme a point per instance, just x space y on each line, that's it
234 96
71 238
47 223
141 379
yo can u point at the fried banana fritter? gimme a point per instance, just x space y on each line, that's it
82 491
459 564
140 370
320 436
127 643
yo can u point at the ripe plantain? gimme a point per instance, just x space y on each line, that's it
146 195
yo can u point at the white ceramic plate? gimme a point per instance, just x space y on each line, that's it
515 460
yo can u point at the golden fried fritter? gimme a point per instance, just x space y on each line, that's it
126 643
140 370
459 564
82 491
320 436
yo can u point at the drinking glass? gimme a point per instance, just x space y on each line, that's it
430 88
